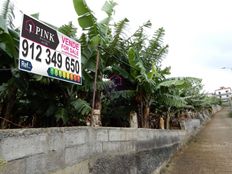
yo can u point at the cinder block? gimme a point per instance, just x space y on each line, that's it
75 154
22 146
55 160
145 134
131 134
111 147
121 147
95 148
36 164
117 135
102 135
55 141
75 137
128 146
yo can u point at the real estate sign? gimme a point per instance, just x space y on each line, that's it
47 52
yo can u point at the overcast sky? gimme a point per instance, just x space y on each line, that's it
198 32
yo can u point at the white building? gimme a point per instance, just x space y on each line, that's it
224 93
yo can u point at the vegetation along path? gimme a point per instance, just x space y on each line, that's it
210 152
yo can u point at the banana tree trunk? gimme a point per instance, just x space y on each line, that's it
133 119
140 115
168 121
146 118
97 110
96 105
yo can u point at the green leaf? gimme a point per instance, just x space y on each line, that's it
7 44
108 7
68 29
81 106
126 94
120 71
148 24
61 114
119 27
131 56
153 71
86 18
3 27
35 15
86 21
95 41
169 83
80 7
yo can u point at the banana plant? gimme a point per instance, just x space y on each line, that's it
181 93
97 40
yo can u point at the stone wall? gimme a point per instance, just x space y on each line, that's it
84 150
193 126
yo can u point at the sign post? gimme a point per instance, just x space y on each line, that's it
47 52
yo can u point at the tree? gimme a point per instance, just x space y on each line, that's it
31 100
8 55
98 42
145 68
180 93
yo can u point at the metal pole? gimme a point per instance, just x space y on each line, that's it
94 87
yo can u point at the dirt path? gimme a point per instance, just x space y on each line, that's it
209 153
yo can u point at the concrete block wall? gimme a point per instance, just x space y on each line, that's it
192 126
86 150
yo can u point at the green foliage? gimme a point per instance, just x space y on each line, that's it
68 29
81 106
7 43
7 15
108 8
86 18
36 101
31 100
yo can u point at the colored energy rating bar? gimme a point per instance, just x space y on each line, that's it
53 72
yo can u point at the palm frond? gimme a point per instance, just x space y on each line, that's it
7 15
81 106
156 50
61 114
68 29
170 83
120 71
108 8
86 17
104 85
173 100
138 39
126 94
119 27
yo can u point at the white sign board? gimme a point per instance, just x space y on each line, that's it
47 52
